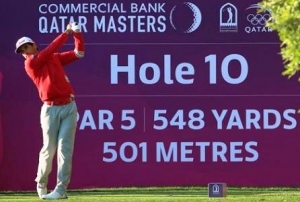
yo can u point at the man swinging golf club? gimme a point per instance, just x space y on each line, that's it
59 111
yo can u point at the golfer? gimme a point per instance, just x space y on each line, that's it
59 110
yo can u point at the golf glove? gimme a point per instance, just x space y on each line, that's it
75 27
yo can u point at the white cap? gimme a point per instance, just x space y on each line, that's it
22 41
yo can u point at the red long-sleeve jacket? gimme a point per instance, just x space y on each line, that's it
46 68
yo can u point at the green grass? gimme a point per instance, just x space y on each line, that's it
166 194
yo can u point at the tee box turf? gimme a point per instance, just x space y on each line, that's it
217 189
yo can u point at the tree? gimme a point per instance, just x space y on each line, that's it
285 20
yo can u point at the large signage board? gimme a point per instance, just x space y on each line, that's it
170 93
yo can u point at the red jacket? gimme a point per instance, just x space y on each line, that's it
46 68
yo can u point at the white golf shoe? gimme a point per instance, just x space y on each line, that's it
41 189
54 195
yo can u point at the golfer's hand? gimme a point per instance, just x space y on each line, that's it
69 29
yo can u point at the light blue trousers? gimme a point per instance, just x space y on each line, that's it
59 126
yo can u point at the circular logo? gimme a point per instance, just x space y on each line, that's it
258 19
185 17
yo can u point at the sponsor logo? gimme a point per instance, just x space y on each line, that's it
228 18
216 189
256 21
154 17
193 17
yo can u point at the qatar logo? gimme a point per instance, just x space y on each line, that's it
185 17
257 21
